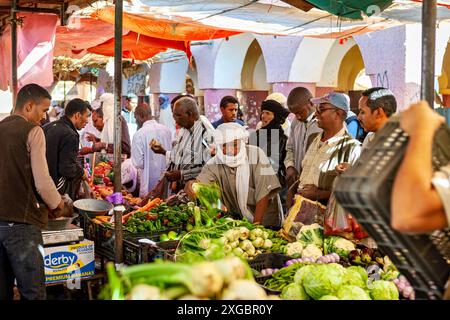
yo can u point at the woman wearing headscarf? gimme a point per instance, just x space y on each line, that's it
271 137
249 186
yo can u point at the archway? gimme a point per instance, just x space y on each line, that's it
254 86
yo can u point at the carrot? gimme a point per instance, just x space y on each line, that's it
151 204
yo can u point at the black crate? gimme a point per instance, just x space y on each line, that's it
135 252
365 191
268 260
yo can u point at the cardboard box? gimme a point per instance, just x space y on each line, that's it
69 262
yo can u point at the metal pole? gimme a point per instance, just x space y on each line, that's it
428 50
118 127
118 240
117 94
14 80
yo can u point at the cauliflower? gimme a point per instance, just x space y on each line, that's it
294 248
311 251
311 234
338 245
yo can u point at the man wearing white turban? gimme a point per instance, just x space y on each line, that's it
249 186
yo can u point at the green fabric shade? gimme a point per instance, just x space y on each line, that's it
351 9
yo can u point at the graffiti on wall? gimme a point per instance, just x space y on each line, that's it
383 79
136 84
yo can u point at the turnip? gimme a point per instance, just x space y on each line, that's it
227 248
255 233
258 242
265 235
251 251
243 233
246 245
267 244
238 251
234 244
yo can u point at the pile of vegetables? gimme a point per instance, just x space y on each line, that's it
335 282
311 245
228 237
156 217
226 279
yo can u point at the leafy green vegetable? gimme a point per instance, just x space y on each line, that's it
329 297
311 234
302 273
338 245
294 291
208 195
349 292
323 280
353 276
383 290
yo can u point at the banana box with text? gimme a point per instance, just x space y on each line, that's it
69 262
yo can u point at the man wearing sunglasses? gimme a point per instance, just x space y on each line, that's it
327 149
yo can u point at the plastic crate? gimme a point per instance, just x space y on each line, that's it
135 252
365 191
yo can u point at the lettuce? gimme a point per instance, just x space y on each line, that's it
383 290
352 293
294 291
323 280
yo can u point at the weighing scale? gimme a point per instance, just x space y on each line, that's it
71 234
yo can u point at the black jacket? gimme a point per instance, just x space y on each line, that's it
62 140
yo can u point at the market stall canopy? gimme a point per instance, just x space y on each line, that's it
352 9
159 27
263 17
80 34
140 47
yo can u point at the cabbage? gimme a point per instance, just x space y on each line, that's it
362 272
338 245
383 290
301 274
323 280
294 292
352 293
352 276
329 297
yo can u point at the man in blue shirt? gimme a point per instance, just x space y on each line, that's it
229 107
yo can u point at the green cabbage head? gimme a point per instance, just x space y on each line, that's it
294 292
323 280
352 293
383 290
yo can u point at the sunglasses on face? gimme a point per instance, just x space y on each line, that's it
320 110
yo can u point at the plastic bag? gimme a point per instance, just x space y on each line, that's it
339 222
